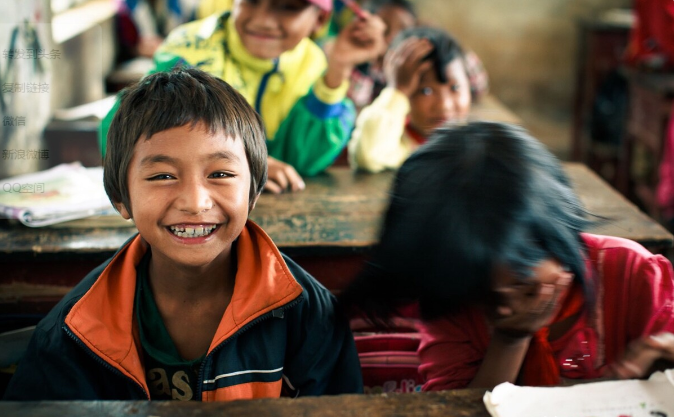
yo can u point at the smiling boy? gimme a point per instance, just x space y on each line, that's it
427 87
200 305
262 48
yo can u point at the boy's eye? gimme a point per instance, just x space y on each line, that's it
455 87
221 175
159 177
426 91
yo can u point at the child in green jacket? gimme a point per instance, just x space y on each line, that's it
262 48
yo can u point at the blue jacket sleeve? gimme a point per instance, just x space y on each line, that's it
313 134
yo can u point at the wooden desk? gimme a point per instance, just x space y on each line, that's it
465 403
489 108
329 229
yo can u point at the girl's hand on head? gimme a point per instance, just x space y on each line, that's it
521 308
404 64
641 354
282 177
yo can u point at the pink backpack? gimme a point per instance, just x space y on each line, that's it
388 361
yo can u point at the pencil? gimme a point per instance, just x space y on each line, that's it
355 8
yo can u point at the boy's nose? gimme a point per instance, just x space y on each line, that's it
447 105
194 198
263 16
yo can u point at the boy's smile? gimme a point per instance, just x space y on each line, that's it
436 103
268 28
189 194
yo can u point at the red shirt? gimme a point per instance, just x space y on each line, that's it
634 298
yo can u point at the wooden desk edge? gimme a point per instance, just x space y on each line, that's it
663 238
466 403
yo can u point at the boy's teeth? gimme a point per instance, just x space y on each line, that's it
192 231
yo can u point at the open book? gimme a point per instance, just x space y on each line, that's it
633 398
65 192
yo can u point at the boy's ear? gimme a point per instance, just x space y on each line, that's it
121 208
251 206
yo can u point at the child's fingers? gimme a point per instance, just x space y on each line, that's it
272 187
411 55
371 28
414 46
294 180
418 51
405 46
624 370
544 301
641 354
662 342
281 179
565 279
424 66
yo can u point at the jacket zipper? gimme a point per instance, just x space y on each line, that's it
241 330
263 86
101 361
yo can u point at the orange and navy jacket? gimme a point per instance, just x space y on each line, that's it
281 331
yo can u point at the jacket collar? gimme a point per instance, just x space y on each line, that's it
103 319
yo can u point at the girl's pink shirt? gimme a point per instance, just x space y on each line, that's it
634 298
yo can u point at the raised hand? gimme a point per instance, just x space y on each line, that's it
361 41
404 64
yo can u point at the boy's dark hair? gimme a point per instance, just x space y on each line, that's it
373 6
446 48
475 196
165 100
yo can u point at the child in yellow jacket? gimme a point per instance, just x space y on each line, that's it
262 48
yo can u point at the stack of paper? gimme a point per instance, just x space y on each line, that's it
633 398
59 194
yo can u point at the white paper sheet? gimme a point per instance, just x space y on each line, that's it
629 398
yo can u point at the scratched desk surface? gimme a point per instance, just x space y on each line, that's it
464 403
339 212
489 108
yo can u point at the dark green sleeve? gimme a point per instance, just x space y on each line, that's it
313 134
